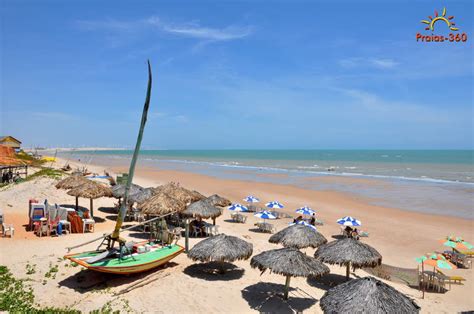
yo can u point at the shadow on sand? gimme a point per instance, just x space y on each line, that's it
338 236
267 297
214 271
108 210
81 208
326 282
87 280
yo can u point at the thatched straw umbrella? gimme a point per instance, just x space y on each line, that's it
366 295
298 236
72 182
289 262
203 209
349 252
221 248
91 190
216 200
178 192
161 204
141 196
118 190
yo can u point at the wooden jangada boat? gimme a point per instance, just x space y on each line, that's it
123 260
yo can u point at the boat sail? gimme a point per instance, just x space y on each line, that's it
124 259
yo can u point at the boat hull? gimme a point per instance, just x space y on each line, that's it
140 262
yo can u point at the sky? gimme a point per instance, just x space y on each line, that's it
236 74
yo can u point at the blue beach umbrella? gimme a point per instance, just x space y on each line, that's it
238 208
305 211
265 215
251 199
304 223
349 221
274 204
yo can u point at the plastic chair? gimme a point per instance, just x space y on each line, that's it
8 228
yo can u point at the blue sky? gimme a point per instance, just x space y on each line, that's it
278 74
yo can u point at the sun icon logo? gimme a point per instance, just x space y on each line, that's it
437 18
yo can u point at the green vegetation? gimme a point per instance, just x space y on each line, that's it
53 270
32 161
46 172
18 297
30 269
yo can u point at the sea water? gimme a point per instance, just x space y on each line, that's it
433 181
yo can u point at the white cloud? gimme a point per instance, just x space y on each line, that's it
379 63
384 63
191 30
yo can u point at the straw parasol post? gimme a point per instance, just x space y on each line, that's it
72 182
366 295
289 262
299 237
349 252
221 248
91 190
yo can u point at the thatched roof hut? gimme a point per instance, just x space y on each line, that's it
289 262
221 248
90 190
216 200
349 252
161 204
178 192
203 209
298 236
118 190
366 295
71 182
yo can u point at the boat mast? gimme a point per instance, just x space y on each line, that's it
123 209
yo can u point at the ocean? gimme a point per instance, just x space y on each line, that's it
433 181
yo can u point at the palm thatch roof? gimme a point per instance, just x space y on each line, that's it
289 262
91 189
202 209
178 192
216 200
161 204
366 295
221 248
141 195
71 182
349 251
298 236
118 190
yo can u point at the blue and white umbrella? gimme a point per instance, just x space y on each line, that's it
349 221
265 215
274 204
304 223
251 199
305 211
238 208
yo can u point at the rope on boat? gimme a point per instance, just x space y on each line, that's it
128 228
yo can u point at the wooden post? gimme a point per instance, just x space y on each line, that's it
186 240
77 203
348 270
92 209
214 221
287 287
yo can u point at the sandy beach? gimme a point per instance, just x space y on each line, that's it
399 236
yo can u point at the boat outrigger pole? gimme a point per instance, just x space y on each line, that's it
115 236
